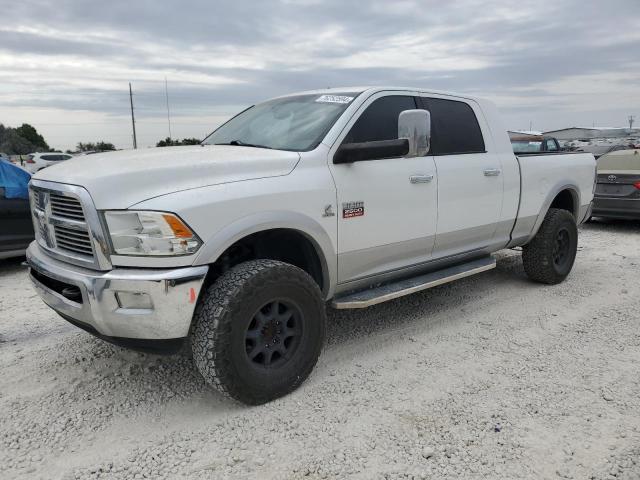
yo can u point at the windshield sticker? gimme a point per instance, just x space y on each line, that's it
333 99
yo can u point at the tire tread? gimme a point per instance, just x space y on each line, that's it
214 315
536 255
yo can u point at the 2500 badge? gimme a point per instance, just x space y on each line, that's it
352 209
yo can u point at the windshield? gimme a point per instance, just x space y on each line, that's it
297 123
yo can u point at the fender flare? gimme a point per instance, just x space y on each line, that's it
219 242
575 193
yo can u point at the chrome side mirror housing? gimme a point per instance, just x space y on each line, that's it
415 126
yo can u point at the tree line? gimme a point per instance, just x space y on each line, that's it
25 139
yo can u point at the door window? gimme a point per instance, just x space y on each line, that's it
454 128
551 145
380 120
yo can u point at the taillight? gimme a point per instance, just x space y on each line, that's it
637 185
30 160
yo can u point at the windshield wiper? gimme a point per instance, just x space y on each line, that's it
240 143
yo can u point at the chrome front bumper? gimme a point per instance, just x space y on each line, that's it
149 304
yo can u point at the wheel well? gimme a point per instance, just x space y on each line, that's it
565 201
286 245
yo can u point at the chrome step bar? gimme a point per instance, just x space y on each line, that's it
384 293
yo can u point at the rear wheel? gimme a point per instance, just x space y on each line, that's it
259 330
549 257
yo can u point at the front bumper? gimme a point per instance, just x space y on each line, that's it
624 208
145 304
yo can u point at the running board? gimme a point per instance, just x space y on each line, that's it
383 293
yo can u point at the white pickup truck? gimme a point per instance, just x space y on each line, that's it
349 196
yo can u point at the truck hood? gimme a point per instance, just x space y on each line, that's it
121 179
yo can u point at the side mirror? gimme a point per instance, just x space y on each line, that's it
358 152
415 126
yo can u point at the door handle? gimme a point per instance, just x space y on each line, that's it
420 178
492 172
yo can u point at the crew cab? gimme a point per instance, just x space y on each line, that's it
348 197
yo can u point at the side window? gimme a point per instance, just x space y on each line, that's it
380 120
49 157
551 145
454 128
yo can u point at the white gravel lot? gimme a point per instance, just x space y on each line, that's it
489 377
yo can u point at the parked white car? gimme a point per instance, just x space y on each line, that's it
352 197
37 161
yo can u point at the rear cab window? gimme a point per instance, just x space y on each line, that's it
523 146
454 127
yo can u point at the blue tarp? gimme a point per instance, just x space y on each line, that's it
14 180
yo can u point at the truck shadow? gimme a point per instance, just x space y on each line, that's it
427 309
610 224
12 265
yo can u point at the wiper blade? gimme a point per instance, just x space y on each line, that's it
240 143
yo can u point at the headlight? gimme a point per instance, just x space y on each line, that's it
150 233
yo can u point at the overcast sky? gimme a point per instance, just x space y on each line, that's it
65 65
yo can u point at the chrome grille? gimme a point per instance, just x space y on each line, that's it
73 240
67 225
66 207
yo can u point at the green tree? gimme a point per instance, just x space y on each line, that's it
105 146
95 146
31 135
169 142
21 140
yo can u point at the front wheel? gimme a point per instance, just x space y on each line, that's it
259 330
549 257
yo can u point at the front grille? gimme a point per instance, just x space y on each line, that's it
62 226
73 240
66 207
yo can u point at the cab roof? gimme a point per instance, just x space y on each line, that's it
374 89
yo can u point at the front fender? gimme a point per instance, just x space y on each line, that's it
220 241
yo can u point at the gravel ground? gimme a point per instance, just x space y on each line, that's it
489 377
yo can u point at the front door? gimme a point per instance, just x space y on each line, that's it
387 208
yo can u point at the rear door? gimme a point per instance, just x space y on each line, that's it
470 179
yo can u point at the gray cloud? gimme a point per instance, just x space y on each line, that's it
78 56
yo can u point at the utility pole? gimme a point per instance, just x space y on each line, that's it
133 118
632 119
166 91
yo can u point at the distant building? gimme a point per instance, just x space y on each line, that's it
580 133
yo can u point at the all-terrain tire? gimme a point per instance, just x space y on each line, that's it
549 257
241 312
